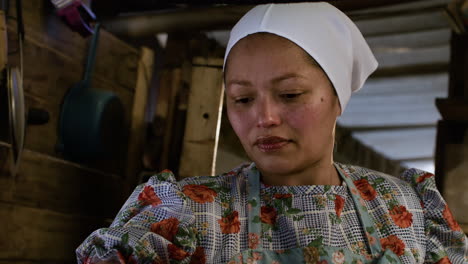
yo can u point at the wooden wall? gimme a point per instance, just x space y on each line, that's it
53 204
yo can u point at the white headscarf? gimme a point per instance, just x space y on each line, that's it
324 32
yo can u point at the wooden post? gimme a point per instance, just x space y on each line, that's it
452 133
203 118
137 130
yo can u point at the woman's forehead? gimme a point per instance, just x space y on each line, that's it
267 46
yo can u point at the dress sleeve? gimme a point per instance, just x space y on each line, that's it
446 242
153 226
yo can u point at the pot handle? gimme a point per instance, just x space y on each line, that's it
92 55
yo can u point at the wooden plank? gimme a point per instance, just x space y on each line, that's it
47 78
405 85
411 6
401 144
54 184
350 150
403 23
31 234
453 109
390 111
117 61
175 84
410 40
203 118
409 57
138 124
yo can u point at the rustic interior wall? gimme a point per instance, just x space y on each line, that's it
456 180
53 203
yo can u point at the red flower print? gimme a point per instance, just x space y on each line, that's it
370 238
444 260
254 240
393 243
176 252
423 177
268 215
149 197
121 258
366 190
230 224
198 257
401 217
257 256
166 171
199 193
282 195
452 223
339 203
166 228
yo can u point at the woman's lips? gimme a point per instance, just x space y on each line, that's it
270 143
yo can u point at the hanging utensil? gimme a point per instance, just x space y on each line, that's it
13 82
91 121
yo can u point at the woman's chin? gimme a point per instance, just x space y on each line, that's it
275 165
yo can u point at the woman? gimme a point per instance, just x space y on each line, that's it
289 72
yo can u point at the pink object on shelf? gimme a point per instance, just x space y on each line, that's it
78 16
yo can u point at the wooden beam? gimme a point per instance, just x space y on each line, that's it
405 85
50 183
31 234
390 111
48 32
209 18
203 118
398 145
402 23
138 125
405 57
410 40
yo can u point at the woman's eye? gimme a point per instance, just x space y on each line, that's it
243 100
291 95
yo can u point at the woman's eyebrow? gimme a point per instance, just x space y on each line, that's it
291 75
238 82
286 76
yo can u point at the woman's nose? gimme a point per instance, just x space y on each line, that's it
268 114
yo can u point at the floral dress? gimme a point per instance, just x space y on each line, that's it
234 218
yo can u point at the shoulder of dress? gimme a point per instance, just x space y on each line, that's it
358 173
228 178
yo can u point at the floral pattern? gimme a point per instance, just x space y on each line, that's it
366 190
339 203
452 223
149 197
199 193
198 220
230 224
401 217
393 243
166 228
268 215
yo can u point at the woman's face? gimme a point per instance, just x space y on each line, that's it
281 106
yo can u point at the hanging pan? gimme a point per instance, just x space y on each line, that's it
13 83
91 120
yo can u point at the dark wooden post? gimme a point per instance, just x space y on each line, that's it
451 161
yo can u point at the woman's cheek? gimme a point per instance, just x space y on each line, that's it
302 116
